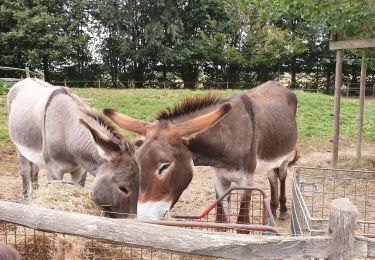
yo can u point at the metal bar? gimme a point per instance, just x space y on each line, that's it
332 169
194 224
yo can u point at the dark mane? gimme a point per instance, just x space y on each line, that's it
189 105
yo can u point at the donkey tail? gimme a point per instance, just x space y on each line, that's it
295 158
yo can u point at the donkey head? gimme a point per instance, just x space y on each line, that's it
164 160
116 184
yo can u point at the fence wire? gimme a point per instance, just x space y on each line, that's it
315 188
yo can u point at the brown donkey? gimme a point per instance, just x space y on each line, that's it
243 135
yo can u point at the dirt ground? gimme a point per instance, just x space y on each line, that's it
200 194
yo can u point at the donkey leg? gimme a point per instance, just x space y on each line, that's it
243 214
34 176
79 176
25 172
221 186
274 185
54 173
283 172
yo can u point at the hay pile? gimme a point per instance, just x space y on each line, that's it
65 197
72 198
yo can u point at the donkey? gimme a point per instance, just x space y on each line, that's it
238 137
51 126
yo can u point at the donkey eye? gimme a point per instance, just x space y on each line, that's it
163 168
123 189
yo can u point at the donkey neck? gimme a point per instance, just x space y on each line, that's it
230 142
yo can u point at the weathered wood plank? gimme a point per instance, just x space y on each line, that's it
342 225
133 233
371 248
352 44
370 245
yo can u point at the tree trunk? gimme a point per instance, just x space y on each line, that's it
293 72
263 73
165 72
139 73
189 74
232 76
328 75
46 69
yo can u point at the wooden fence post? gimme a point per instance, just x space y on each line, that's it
27 70
342 226
336 121
362 93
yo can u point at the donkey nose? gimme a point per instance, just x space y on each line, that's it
153 210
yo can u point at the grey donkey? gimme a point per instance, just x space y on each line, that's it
52 127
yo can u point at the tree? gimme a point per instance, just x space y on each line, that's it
41 32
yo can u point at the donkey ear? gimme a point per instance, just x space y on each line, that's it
105 146
128 123
196 125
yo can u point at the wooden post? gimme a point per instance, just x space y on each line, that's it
342 226
27 72
336 120
99 83
362 93
64 82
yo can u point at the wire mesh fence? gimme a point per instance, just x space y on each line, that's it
257 205
38 244
315 188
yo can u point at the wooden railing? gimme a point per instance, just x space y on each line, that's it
340 244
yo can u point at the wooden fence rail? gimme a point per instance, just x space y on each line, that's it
27 71
196 242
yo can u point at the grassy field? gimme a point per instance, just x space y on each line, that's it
313 116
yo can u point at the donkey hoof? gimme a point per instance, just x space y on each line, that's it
283 215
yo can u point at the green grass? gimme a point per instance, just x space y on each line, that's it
313 116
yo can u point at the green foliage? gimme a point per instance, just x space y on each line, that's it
219 41
4 88
43 33
356 18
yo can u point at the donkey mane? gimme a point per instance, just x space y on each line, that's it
101 120
189 105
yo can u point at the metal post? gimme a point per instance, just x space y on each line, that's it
65 83
27 72
99 83
336 120
362 93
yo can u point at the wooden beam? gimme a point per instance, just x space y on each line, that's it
195 242
352 44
